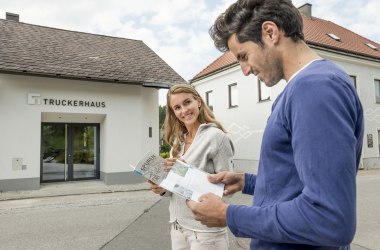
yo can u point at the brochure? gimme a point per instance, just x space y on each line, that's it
183 179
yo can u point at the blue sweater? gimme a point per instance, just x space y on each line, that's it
305 189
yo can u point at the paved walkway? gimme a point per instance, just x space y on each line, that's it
72 188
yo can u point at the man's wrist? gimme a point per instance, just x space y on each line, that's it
163 193
224 213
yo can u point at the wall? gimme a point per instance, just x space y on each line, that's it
247 121
365 72
129 111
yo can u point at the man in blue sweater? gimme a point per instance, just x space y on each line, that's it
305 189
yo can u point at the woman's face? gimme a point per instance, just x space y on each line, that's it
185 108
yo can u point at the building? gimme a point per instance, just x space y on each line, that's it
243 103
75 106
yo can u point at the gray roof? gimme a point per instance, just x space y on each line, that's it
43 51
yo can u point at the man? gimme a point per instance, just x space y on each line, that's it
305 189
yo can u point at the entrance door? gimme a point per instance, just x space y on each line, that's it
69 152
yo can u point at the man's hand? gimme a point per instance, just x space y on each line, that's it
210 210
234 182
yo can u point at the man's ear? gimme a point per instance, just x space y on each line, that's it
270 32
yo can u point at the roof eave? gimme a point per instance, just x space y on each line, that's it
312 45
228 66
150 84
343 51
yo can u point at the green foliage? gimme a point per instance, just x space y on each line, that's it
164 148
162 114
164 154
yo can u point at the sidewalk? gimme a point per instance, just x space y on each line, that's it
72 188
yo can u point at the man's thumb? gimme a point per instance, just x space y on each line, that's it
213 178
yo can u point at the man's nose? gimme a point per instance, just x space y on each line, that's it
245 69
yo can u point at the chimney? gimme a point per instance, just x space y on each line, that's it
305 10
12 16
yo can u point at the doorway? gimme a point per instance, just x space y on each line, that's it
69 152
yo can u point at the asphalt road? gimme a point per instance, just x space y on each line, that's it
136 220
152 229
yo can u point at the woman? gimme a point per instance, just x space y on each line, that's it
196 137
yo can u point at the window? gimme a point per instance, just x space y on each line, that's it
353 80
377 90
371 46
233 95
335 37
370 140
210 99
264 91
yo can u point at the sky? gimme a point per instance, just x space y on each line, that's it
176 30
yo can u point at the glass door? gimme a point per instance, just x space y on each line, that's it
69 152
53 150
83 152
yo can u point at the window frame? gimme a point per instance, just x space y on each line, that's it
377 95
259 89
207 94
230 104
354 80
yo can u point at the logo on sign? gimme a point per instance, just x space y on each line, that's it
34 99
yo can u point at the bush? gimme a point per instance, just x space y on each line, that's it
164 154
164 148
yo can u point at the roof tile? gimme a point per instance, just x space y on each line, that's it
315 31
49 51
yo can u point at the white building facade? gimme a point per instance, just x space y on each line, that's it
243 104
98 130
75 106
247 119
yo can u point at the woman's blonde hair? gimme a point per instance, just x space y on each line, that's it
174 128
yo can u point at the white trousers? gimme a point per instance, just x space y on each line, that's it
184 239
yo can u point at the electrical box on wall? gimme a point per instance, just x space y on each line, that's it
17 164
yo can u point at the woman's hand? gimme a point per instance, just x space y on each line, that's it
156 189
169 162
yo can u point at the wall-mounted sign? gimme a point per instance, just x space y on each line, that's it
36 99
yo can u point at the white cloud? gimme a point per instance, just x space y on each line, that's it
176 30
178 12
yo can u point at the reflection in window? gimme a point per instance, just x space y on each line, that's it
353 78
233 95
210 99
377 90
264 91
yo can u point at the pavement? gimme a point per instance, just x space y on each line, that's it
368 210
72 188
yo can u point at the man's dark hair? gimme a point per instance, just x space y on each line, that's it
245 17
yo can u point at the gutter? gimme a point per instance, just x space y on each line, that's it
149 84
